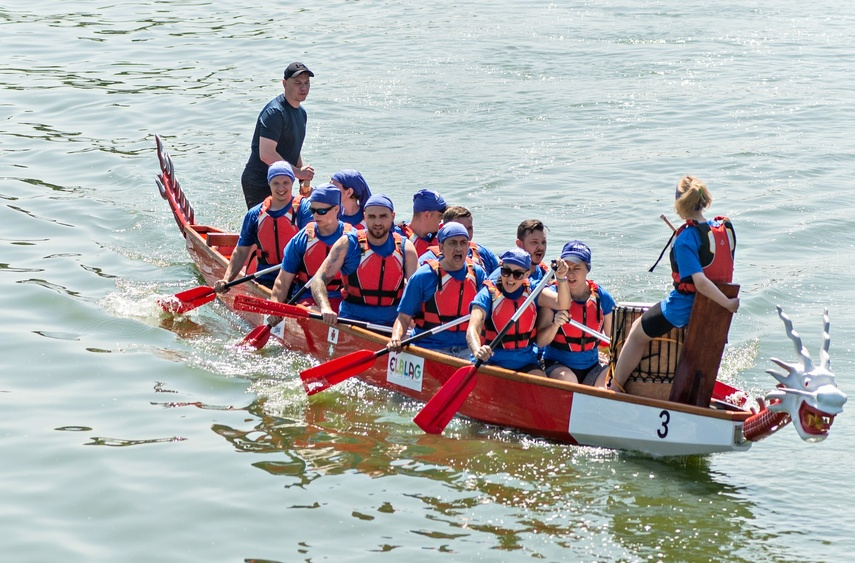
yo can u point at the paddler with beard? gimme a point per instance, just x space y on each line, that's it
374 265
439 292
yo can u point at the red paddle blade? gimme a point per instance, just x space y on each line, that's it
722 390
265 307
322 377
257 338
187 300
438 412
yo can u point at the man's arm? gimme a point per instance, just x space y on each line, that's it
331 266
411 259
281 287
236 262
473 334
398 329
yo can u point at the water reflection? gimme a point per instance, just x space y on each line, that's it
122 442
506 485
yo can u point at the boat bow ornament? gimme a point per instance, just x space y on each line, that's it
807 394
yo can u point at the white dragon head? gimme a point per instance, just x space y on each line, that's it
808 393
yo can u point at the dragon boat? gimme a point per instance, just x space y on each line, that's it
674 405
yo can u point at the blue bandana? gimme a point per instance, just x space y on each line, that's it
451 229
352 179
280 168
428 200
326 193
380 200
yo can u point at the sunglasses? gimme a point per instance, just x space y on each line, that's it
517 274
321 212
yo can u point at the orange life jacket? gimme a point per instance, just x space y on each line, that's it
522 332
377 280
275 232
316 251
590 313
451 299
421 244
718 245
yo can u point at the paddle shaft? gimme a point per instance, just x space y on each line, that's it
590 331
260 334
252 276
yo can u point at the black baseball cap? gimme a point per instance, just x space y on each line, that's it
296 68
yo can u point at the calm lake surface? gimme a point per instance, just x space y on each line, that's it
127 435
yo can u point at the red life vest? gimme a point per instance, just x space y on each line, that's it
316 251
522 332
474 254
590 313
377 280
718 245
451 299
273 233
421 244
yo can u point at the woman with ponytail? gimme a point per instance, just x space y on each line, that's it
702 254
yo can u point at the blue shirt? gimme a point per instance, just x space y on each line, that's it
420 288
369 313
510 359
356 219
296 248
588 358
677 307
283 123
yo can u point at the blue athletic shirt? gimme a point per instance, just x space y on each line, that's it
677 307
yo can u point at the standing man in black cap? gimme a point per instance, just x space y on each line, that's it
279 134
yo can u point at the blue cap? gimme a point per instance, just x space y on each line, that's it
280 168
326 193
451 229
380 200
428 200
577 251
352 179
517 257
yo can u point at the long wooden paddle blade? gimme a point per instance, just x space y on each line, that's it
187 300
257 338
438 412
322 377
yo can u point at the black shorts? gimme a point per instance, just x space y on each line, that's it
654 323
586 376
254 192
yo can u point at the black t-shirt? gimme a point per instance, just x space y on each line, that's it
283 123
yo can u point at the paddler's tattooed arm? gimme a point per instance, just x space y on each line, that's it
331 265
